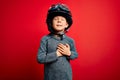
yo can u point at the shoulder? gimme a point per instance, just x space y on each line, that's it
45 38
71 40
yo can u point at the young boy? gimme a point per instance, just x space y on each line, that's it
56 49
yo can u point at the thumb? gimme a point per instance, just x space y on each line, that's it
67 45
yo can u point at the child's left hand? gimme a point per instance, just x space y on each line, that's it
64 49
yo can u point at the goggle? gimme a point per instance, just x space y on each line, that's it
59 7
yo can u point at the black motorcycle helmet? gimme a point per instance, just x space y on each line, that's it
58 10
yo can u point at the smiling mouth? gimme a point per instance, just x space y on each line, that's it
58 25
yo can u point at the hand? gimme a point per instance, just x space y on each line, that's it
58 53
64 49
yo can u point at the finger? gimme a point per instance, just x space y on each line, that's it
60 51
59 48
67 45
62 46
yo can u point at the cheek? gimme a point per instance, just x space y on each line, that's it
53 23
65 24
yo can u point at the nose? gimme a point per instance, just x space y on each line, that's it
59 21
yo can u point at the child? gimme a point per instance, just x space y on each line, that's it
56 49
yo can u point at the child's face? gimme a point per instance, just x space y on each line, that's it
59 23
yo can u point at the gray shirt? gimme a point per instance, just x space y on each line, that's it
56 68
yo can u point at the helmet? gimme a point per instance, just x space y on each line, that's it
58 10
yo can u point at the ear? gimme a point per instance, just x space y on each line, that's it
66 25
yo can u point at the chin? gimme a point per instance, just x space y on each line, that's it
59 30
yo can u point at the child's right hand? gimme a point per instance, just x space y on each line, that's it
58 53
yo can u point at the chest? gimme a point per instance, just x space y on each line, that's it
53 43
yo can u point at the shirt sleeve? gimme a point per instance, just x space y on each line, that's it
43 56
74 53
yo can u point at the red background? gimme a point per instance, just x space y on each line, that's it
96 31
